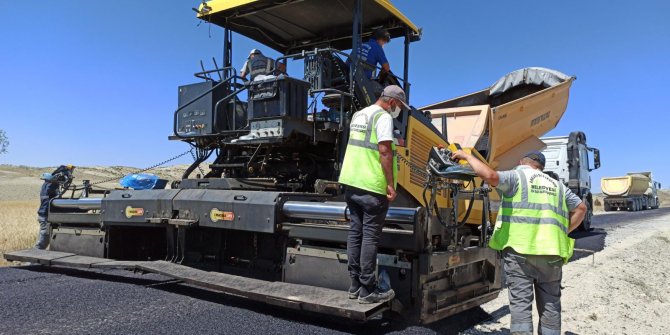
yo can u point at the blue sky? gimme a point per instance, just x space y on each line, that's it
95 82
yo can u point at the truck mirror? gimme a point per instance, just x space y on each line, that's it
596 159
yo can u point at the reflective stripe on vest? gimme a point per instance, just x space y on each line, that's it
525 204
535 219
368 142
361 167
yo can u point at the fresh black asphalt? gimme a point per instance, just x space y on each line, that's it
40 300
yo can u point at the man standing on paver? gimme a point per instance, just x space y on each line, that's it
371 54
49 191
536 214
369 172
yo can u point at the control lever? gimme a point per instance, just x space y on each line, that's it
441 165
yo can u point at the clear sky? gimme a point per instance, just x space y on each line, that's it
95 82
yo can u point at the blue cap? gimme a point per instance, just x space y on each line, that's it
537 157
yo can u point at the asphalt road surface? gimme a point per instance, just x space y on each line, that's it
35 299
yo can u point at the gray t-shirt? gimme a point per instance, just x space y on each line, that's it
508 184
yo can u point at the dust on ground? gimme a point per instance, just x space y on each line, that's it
626 291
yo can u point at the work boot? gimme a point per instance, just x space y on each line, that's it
354 289
376 295
42 240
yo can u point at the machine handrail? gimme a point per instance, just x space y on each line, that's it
342 95
306 53
226 98
202 74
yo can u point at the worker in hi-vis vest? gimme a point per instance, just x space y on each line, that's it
536 215
369 173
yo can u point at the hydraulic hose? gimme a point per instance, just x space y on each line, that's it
437 210
195 164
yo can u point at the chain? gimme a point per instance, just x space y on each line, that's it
147 169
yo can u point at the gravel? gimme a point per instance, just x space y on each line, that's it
624 289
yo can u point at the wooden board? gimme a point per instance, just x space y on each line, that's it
302 297
44 257
111 264
77 261
295 296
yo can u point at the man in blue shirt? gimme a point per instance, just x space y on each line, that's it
372 53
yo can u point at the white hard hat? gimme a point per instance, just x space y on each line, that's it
254 52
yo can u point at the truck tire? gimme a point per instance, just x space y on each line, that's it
631 205
586 223
607 207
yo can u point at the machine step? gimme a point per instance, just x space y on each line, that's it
295 296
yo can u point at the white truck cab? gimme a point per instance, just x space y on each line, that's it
572 161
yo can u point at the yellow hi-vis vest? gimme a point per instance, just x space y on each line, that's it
361 167
535 220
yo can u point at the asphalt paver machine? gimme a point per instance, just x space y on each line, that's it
267 221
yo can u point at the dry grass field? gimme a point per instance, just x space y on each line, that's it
18 222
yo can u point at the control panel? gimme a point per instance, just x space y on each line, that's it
266 128
197 117
441 164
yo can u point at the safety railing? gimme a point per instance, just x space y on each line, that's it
228 80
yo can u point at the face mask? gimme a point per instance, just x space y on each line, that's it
395 112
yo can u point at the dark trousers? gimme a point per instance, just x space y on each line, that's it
528 274
43 237
368 212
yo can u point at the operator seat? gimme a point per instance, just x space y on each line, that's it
365 92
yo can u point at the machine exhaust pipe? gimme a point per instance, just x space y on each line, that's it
338 211
83 203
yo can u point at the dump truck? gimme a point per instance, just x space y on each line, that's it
572 160
636 191
268 221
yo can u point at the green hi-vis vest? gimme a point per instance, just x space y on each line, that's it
361 167
535 220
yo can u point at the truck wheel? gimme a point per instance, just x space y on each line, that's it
607 207
586 223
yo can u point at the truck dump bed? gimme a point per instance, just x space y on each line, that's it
507 119
631 184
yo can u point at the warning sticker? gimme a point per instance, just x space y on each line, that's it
216 215
132 211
